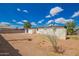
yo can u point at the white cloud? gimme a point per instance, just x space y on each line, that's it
5 23
69 20
19 22
50 25
63 20
14 20
13 26
55 11
53 24
21 27
41 21
24 21
25 11
60 20
50 21
48 16
75 14
33 23
18 9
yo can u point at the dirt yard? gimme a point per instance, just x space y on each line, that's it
34 45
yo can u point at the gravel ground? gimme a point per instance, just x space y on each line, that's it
35 45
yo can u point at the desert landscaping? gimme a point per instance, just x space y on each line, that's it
39 30
39 41
21 44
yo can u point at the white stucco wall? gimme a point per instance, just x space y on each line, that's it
30 31
59 32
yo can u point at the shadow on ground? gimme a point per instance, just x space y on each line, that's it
6 48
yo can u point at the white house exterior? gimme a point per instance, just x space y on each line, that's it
60 32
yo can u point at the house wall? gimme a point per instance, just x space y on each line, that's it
32 31
59 32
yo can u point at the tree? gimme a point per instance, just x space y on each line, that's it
70 26
26 26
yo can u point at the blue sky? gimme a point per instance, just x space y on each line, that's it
38 14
